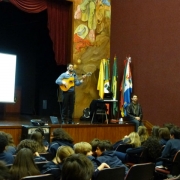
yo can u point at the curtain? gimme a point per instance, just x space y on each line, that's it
59 24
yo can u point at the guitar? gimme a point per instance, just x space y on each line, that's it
70 82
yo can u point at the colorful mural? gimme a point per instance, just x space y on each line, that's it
91 44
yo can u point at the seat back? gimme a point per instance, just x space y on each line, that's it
123 147
143 171
41 164
175 168
39 177
47 155
111 174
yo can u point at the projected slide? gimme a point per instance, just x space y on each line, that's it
7 77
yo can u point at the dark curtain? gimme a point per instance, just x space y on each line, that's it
59 23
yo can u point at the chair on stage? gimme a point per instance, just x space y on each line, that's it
39 177
143 171
111 174
98 107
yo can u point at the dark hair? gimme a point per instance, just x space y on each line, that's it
105 145
28 143
168 125
78 167
176 132
4 171
23 165
3 142
39 129
164 133
94 143
59 133
155 132
37 136
154 148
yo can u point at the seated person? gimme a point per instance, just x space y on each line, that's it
94 144
45 142
23 165
4 171
60 137
134 112
143 134
33 146
37 136
171 147
5 156
77 167
164 135
54 167
106 154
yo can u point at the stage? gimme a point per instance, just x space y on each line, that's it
80 131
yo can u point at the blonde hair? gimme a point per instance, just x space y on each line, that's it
143 134
63 152
82 147
135 139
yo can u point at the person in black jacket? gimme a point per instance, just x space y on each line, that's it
60 137
134 112
54 167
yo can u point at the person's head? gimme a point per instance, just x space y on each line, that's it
28 143
102 146
94 144
24 164
175 133
3 142
61 134
134 139
155 131
164 133
63 152
78 167
143 134
4 171
154 148
37 136
83 148
168 125
40 129
70 67
134 98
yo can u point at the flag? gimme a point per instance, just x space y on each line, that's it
114 85
126 87
103 80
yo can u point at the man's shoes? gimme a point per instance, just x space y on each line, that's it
71 122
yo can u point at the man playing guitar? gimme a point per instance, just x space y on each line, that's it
67 82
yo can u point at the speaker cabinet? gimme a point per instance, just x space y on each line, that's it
28 130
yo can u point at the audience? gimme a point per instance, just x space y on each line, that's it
23 165
171 147
10 148
45 142
60 137
77 167
54 167
94 144
4 171
5 156
155 132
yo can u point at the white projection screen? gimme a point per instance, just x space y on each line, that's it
7 77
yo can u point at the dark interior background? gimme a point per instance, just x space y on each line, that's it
149 31
27 36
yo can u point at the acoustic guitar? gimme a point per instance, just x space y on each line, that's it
70 82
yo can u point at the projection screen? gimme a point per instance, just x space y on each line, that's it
7 77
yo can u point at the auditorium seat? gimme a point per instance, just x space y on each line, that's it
123 147
39 177
47 155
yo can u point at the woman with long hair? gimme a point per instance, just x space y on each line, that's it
143 134
24 165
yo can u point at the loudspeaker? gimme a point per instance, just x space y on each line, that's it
28 130
37 122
